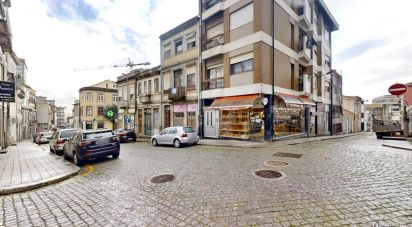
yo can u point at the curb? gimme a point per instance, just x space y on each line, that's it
285 142
397 147
37 184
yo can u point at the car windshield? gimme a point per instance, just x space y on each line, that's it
67 134
188 129
97 135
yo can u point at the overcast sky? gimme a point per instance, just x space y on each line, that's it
372 49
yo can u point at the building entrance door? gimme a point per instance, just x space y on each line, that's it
211 123
167 117
148 122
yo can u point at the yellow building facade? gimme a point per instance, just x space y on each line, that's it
93 102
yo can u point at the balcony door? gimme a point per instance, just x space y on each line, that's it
178 78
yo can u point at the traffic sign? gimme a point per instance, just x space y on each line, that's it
398 89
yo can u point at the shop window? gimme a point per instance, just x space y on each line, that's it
89 125
242 123
178 119
288 120
241 67
100 125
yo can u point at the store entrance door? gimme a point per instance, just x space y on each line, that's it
211 123
147 122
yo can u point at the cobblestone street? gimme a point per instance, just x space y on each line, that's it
349 181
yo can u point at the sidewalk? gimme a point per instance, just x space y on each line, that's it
28 166
249 144
405 145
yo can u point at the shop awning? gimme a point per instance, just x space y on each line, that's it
289 99
306 101
243 101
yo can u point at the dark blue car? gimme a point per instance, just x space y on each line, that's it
91 144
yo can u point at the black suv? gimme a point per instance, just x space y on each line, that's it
91 144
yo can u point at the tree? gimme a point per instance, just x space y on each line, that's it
111 114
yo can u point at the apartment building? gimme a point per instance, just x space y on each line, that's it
352 113
93 102
45 113
149 100
180 73
266 68
61 117
127 100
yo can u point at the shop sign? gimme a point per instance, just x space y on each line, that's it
191 107
7 91
178 108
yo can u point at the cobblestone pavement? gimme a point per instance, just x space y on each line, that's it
350 181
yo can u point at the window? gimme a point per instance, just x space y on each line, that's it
178 46
149 87
156 85
89 97
214 78
156 118
292 76
89 111
139 88
241 17
177 78
145 87
191 83
115 98
241 67
100 124
292 36
191 40
100 98
100 111
131 97
166 51
80 111
327 37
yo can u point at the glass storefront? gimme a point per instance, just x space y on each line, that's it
289 117
242 123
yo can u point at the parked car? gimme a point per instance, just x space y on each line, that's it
44 137
125 135
59 137
91 144
176 136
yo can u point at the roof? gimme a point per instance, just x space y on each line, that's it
187 24
332 20
98 89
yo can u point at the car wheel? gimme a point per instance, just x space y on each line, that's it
115 156
51 150
177 143
134 140
154 143
76 160
65 156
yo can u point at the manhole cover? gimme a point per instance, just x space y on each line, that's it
287 155
276 163
162 178
269 174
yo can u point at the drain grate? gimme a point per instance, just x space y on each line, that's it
162 178
276 163
268 174
287 155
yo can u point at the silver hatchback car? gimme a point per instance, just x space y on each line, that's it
176 136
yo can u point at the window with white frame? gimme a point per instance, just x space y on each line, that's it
167 51
178 46
241 64
191 40
139 88
100 98
115 98
89 97
89 111
241 17
156 85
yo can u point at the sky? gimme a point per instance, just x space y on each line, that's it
372 49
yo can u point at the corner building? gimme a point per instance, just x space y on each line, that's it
266 68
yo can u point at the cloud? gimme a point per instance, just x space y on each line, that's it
57 36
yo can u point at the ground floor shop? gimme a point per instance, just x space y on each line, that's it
243 117
148 120
180 114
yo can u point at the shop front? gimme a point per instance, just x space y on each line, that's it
240 117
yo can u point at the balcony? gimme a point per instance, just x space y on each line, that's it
177 94
207 4
214 42
123 104
305 15
145 98
211 7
